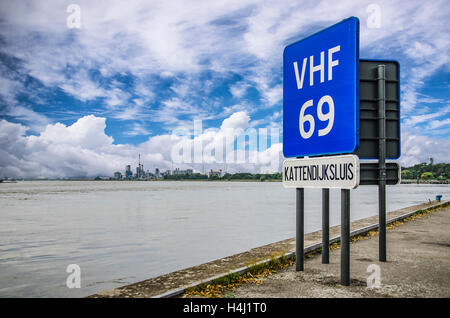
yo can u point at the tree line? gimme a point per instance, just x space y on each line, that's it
227 176
425 171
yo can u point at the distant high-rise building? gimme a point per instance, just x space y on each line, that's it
140 172
128 173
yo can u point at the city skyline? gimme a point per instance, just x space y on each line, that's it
142 174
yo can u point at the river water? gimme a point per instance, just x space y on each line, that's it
123 232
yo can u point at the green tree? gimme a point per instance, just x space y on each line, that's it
427 176
407 174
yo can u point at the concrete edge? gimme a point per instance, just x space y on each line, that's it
307 249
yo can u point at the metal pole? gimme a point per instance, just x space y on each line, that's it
325 226
300 230
345 237
382 162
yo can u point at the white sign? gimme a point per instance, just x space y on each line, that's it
322 172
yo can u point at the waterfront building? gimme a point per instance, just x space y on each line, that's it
177 171
217 173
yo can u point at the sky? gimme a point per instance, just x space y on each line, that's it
86 86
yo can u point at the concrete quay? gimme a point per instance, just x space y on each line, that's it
316 274
418 266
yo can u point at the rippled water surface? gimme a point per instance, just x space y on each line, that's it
124 232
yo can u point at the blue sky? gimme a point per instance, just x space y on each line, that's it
134 71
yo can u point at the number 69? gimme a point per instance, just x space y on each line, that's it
322 117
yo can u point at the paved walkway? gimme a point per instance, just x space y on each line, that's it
173 284
418 266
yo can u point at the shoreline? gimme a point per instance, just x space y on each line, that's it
178 282
421 182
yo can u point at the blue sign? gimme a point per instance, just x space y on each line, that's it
321 92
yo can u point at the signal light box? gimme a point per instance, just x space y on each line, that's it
321 92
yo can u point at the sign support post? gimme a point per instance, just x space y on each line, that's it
345 237
381 161
300 229
325 226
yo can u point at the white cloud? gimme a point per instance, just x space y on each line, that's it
81 86
87 132
412 121
138 130
417 149
238 89
116 97
171 109
238 120
439 123
227 110
170 37
83 149
420 50
36 121
182 39
9 88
